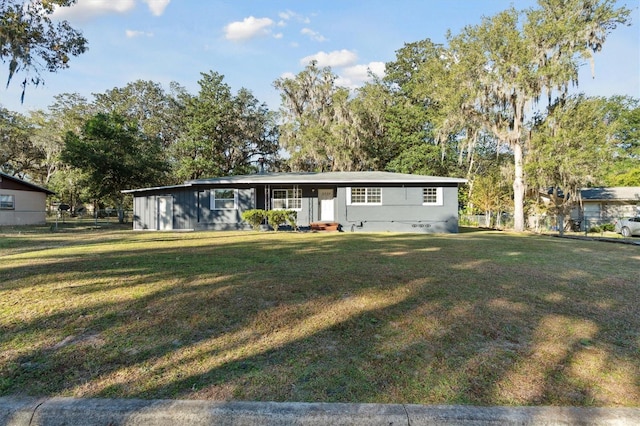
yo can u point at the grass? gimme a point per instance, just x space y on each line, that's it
482 318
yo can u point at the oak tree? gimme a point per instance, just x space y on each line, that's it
30 42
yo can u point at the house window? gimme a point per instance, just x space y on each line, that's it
7 202
287 199
224 199
365 196
432 196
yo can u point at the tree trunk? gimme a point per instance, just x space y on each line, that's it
518 188
560 223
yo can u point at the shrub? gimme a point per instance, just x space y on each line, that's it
292 219
595 229
254 217
278 217
608 227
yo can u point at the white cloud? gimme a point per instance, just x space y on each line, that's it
87 9
288 15
355 76
278 35
287 75
248 28
157 6
313 35
337 58
378 68
135 33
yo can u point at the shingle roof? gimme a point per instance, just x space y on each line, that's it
338 178
25 183
329 177
621 193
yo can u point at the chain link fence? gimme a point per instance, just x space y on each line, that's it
588 223
492 221
100 217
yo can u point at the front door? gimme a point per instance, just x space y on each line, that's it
326 200
165 213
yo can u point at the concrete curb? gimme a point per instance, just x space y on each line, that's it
136 412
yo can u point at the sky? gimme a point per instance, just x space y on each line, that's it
253 43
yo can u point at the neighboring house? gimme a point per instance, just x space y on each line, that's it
604 205
355 201
21 203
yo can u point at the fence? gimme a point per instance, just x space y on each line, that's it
97 218
588 223
493 220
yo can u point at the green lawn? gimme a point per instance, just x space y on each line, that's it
474 318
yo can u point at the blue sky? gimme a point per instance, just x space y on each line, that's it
254 42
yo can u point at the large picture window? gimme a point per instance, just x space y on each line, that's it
359 195
287 199
224 199
7 202
432 196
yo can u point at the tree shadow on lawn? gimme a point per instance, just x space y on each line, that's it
359 319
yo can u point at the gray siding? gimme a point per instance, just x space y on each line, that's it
184 212
145 213
211 219
401 211
145 210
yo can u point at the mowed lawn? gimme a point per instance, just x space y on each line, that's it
474 318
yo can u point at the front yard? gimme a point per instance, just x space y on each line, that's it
475 318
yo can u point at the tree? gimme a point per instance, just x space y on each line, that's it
491 73
568 149
424 126
224 134
18 155
48 129
30 42
491 193
68 113
321 130
371 105
423 159
114 155
156 111
625 166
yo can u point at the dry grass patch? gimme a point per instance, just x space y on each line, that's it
482 318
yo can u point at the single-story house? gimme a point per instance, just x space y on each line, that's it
604 205
355 201
21 203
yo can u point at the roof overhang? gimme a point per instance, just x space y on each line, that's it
310 178
618 193
31 186
155 188
329 178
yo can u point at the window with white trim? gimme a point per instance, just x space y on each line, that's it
432 196
224 199
7 202
361 195
287 199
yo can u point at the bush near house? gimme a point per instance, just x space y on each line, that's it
254 217
278 217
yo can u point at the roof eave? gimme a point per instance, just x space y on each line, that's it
156 188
